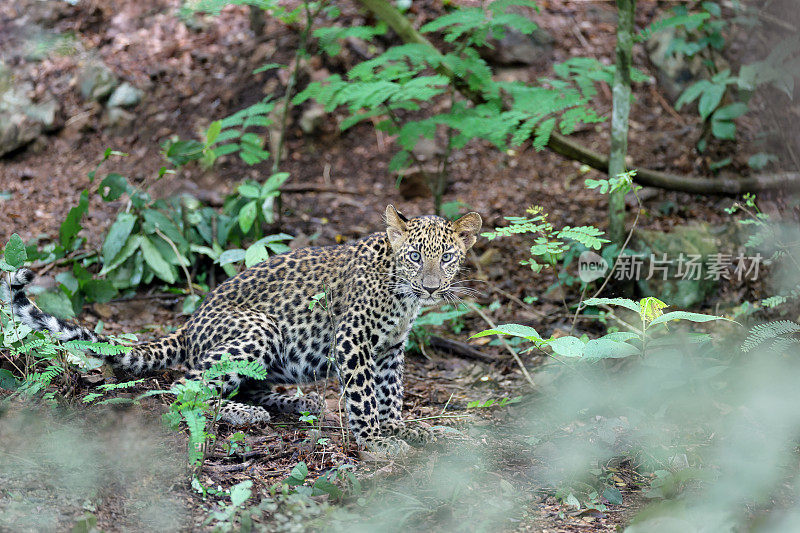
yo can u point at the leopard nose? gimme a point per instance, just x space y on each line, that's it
431 290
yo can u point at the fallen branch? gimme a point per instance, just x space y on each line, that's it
460 349
293 188
505 344
567 147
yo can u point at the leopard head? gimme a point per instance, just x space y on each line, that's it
428 252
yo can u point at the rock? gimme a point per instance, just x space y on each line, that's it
126 95
97 82
118 118
428 150
22 120
312 118
519 48
674 72
693 240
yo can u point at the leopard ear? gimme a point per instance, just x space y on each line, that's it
467 228
396 228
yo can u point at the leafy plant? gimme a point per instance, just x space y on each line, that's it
222 137
550 244
399 82
197 404
41 361
612 345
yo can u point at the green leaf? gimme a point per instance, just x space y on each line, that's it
159 220
213 132
516 330
255 254
723 129
605 348
567 346
190 304
268 66
760 160
99 290
241 492
181 152
117 236
55 303
69 281
685 315
710 99
249 190
15 254
613 495
156 261
274 183
231 256
131 245
72 224
623 302
113 186
247 216
7 380
298 474
730 112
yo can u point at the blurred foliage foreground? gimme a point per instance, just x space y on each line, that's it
708 428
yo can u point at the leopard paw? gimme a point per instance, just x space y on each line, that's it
387 447
237 414
417 435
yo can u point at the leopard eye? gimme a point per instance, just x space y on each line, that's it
447 257
414 256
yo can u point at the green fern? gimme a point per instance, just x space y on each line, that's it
101 348
589 236
250 369
769 330
330 37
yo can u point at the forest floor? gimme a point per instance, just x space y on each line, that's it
192 76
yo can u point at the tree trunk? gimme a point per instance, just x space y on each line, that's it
619 117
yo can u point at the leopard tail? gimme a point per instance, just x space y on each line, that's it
167 352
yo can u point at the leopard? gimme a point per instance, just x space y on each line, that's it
373 289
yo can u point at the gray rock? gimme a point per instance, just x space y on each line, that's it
96 80
518 48
118 118
674 72
697 239
312 119
126 95
22 120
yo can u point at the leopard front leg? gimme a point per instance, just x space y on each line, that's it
357 378
389 387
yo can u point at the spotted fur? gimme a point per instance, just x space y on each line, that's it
374 289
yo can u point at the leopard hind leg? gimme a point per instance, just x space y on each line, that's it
260 394
232 411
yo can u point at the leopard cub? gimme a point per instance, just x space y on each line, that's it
374 288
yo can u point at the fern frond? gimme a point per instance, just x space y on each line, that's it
762 332
102 348
589 236
250 369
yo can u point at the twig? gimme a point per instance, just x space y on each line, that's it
460 349
517 300
436 416
507 346
230 468
668 108
180 259
311 187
